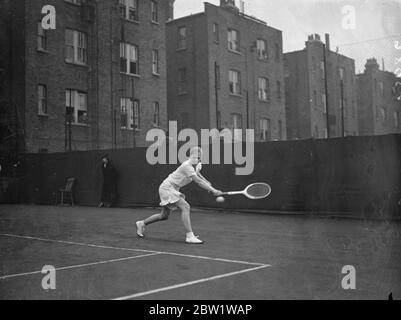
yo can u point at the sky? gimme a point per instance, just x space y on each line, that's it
377 24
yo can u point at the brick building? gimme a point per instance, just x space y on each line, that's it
379 111
310 92
97 81
225 70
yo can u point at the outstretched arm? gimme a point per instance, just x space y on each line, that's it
203 178
205 185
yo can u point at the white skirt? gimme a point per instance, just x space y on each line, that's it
169 194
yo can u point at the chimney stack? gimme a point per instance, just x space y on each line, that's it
327 38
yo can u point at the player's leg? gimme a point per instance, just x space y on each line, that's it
162 216
140 225
186 220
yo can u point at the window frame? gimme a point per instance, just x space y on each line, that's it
154 11
156 113
263 93
234 45
216 32
263 53
155 62
182 38
42 100
74 98
235 86
75 46
182 81
130 113
265 133
126 6
125 55
41 39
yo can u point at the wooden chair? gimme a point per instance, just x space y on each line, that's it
67 191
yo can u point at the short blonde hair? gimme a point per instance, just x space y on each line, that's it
195 150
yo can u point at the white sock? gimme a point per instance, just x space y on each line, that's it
190 235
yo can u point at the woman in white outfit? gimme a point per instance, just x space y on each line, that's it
171 197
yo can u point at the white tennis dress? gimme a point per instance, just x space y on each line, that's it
169 190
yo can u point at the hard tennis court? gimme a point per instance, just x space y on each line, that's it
97 255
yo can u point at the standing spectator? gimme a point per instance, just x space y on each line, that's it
109 188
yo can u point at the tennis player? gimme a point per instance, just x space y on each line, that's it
172 199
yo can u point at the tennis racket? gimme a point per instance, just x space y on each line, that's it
254 191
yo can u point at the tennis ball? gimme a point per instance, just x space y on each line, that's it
220 199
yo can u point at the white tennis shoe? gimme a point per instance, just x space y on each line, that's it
140 229
193 240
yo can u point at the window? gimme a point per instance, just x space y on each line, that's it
155 62
341 73
324 103
396 124
263 91
182 80
233 40
322 73
278 90
130 114
182 38
383 112
156 114
42 38
277 52
265 131
129 9
280 130
136 115
261 46
42 99
129 62
154 11
216 32
76 47
234 82
377 114
76 106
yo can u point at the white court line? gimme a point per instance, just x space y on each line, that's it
79 265
185 284
135 250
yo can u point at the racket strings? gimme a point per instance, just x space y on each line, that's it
258 190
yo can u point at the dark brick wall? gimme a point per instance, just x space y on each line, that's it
101 79
12 80
304 112
200 58
370 97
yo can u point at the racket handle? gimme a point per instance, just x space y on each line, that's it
231 193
